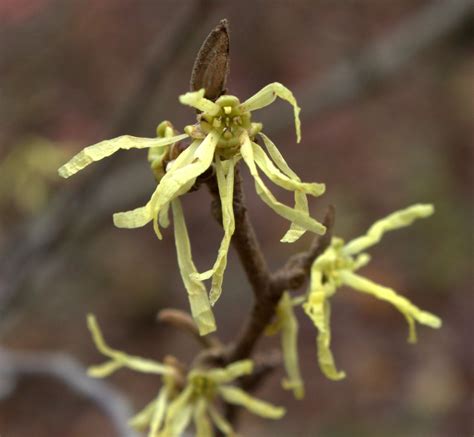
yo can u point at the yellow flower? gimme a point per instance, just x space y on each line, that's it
336 267
287 324
172 411
223 136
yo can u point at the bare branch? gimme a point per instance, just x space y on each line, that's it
15 365
380 61
268 296
183 321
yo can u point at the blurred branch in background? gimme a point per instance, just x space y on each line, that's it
376 64
16 365
40 240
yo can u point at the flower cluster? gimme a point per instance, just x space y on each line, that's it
183 400
223 135
333 269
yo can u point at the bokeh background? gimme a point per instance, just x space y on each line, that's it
387 96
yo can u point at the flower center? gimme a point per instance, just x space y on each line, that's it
230 122
203 386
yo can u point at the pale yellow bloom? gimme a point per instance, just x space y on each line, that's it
336 267
175 407
287 324
196 401
223 135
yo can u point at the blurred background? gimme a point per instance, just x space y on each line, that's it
387 96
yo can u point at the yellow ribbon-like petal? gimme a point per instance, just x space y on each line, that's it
301 202
106 148
179 177
237 396
410 311
143 215
289 343
201 419
293 215
120 359
267 95
197 293
318 309
225 183
197 100
396 220
231 372
280 179
152 415
221 424
179 413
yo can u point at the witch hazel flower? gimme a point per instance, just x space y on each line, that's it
223 136
337 267
183 399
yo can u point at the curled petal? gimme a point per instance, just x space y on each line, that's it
237 396
179 414
410 311
301 202
298 217
280 179
201 419
143 215
197 100
225 183
267 95
221 424
120 358
136 218
231 372
152 415
159 412
289 345
396 220
197 293
106 148
163 217
318 310
291 184
278 157
183 174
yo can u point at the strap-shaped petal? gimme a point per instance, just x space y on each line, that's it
197 293
237 396
120 358
410 311
280 179
152 415
225 183
141 420
143 215
179 176
221 423
231 372
318 309
201 419
197 100
301 202
267 96
106 148
396 220
159 412
179 414
294 216
289 345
